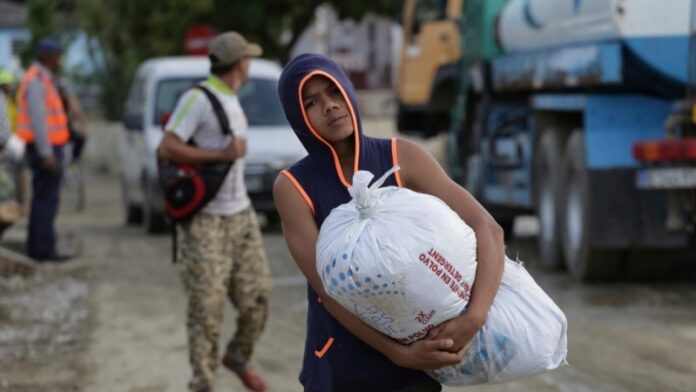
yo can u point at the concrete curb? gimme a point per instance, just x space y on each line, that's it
13 263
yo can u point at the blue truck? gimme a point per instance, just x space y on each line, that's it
578 111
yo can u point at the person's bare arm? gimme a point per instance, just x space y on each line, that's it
422 173
301 233
173 149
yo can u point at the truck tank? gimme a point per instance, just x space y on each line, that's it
656 33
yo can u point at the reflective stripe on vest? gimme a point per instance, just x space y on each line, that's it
56 119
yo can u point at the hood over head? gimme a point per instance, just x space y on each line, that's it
295 74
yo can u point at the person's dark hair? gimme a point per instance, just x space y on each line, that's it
221 70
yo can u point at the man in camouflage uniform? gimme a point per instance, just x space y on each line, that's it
220 249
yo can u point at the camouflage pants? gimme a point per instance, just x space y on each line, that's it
222 257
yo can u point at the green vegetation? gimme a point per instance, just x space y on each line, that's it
129 31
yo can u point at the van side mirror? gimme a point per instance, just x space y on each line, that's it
133 121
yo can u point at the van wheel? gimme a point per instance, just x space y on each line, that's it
273 222
132 213
584 262
153 221
547 191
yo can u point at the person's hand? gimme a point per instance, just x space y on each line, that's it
427 354
50 164
460 330
235 150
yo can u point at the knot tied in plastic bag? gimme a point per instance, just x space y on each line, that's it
361 191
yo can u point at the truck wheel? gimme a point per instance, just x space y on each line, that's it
436 122
584 262
508 226
132 213
547 190
153 220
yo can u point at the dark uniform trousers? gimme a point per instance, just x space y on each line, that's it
41 241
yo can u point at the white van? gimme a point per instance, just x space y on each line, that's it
272 144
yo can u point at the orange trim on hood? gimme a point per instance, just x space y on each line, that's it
395 162
337 163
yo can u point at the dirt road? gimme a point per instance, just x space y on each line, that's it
113 320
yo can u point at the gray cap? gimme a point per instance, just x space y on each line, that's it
229 47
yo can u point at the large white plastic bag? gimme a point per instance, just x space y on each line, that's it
372 254
400 260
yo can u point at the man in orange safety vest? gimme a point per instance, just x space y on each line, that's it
43 124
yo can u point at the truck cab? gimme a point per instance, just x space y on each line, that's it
428 69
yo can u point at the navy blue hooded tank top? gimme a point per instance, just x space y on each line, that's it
334 359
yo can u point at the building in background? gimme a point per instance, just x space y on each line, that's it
368 50
13 34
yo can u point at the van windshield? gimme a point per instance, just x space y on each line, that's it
258 97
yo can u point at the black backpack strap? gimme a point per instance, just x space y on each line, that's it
219 111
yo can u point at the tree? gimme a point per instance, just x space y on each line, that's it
130 31
278 24
47 18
